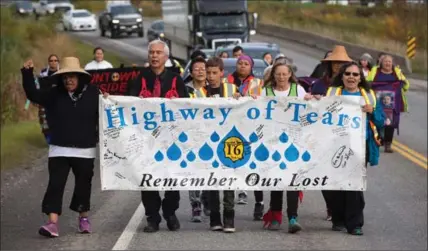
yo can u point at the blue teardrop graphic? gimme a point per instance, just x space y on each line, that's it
291 154
253 165
215 137
254 138
276 156
191 156
173 153
306 156
234 150
183 164
159 156
261 153
283 166
206 153
215 164
183 137
283 138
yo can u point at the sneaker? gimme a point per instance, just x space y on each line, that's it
242 199
151 227
207 211
196 214
258 211
272 220
172 223
338 228
215 221
293 225
357 231
50 229
215 227
84 225
229 222
329 217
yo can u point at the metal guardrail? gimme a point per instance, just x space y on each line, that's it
326 43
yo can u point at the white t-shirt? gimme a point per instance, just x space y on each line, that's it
94 65
300 92
61 151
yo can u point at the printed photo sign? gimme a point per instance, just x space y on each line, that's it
227 144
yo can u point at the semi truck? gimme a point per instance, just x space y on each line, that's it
194 23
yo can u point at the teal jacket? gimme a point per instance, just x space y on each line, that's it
378 118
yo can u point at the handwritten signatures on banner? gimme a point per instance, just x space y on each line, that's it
215 144
341 157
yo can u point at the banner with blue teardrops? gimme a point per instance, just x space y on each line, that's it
269 143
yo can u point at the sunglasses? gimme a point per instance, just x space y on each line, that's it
354 74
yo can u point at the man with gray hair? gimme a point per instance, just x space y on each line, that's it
154 83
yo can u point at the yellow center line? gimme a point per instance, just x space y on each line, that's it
409 150
410 157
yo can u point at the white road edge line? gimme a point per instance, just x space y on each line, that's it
130 230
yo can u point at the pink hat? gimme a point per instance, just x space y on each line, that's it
246 58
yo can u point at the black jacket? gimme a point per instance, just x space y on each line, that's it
71 123
165 77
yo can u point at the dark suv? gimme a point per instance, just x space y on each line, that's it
119 19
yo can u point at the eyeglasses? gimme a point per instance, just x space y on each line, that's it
354 74
53 60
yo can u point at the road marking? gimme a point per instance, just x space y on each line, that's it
410 157
409 150
130 230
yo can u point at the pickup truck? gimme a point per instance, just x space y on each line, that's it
121 18
49 7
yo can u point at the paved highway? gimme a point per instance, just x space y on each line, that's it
395 214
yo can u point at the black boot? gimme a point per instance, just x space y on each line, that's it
258 211
172 222
388 148
151 227
215 221
229 221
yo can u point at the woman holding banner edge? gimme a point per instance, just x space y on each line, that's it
348 206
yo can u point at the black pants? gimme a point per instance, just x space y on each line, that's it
389 134
347 209
276 201
59 168
258 195
152 203
228 201
327 198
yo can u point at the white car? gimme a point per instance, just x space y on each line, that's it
79 20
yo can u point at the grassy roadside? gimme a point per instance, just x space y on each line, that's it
379 27
24 38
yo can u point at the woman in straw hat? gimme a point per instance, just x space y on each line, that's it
333 62
73 119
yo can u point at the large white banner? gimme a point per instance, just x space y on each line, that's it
273 143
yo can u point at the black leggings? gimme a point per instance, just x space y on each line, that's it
276 201
389 134
59 168
347 209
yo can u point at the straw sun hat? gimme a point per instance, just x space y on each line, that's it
338 54
72 65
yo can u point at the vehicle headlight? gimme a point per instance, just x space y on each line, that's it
162 35
115 21
21 10
199 34
139 20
